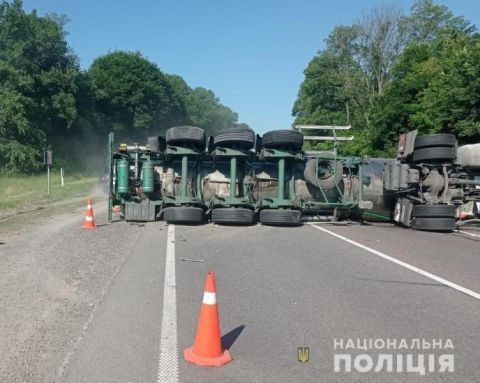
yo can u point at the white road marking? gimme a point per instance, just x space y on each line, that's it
470 234
404 264
168 359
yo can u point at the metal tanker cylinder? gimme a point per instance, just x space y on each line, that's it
122 177
147 177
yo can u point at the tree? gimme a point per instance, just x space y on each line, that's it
46 100
207 112
242 125
320 99
132 95
427 20
379 43
202 106
391 113
389 73
38 85
451 100
342 81
342 49
435 89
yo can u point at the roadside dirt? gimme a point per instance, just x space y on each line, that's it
54 276
22 221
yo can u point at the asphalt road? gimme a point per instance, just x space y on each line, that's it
277 288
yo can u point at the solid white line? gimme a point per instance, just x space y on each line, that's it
168 359
404 264
470 234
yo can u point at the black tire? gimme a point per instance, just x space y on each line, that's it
232 216
437 154
434 140
180 135
235 137
328 182
184 214
276 139
434 224
281 217
434 211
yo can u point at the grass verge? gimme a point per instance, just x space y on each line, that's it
20 193
24 202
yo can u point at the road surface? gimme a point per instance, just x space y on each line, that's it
90 306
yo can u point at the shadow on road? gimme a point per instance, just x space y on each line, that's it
230 337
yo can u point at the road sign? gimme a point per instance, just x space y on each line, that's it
48 157
48 160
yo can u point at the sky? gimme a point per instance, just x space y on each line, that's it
250 53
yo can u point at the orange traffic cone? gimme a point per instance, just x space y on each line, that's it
89 222
207 350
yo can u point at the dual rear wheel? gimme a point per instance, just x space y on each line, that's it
434 218
243 216
184 214
435 148
281 217
232 216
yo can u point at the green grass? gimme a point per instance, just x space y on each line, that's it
23 192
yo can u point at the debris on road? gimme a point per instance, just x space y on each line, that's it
138 224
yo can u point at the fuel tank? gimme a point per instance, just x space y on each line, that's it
122 177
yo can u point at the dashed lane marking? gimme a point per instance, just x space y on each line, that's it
403 264
168 359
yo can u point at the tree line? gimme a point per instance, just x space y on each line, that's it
389 73
47 101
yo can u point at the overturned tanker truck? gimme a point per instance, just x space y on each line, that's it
236 177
